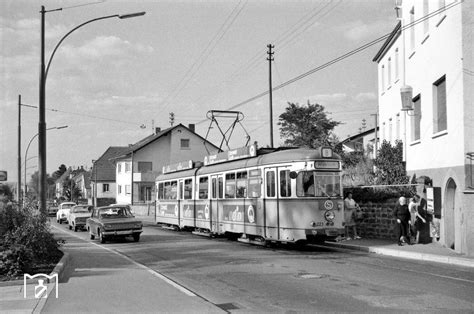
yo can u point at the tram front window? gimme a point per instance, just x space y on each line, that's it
318 184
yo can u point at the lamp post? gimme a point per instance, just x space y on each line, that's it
28 147
42 98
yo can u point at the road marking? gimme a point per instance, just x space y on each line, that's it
151 271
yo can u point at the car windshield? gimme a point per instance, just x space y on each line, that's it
115 212
319 184
80 210
67 205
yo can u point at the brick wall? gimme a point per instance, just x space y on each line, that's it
378 220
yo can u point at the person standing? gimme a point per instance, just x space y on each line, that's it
416 219
402 214
350 207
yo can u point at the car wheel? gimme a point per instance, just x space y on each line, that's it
101 237
60 221
75 228
92 236
136 237
70 227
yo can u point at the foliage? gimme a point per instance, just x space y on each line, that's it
357 168
33 185
26 240
306 126
58 173
6 191
390 168
68 186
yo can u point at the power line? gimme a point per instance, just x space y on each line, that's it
342 57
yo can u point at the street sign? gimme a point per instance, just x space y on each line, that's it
3 175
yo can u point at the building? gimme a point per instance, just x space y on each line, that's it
103 179
427 60
83 184
362 142
146 159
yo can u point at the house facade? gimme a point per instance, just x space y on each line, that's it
138 167
82 182
428 60
103 178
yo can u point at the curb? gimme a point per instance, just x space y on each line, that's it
59 269
451 260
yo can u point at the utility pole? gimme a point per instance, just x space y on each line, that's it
42 122
171 118
18 190
270 59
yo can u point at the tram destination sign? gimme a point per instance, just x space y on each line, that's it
325 164
235 154
183 165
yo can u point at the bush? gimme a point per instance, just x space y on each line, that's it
26 241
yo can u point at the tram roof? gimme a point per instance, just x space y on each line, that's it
264 157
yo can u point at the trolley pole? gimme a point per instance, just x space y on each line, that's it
18 189
270 59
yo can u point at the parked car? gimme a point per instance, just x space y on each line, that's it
63 211
78 215
113 221
51 209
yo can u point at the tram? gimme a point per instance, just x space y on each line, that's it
276 195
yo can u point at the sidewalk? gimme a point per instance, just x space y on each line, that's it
432 252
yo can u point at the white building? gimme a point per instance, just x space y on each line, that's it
429 54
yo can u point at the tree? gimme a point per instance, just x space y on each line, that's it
68 186
58 173
306 126
390 168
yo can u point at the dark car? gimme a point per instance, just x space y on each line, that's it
113 221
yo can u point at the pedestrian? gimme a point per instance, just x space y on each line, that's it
350 206
416 218
402 214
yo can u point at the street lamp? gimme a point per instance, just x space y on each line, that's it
42 98
28 147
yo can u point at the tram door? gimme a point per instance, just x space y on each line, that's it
270 204
217 192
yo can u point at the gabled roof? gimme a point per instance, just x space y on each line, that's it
150 139
389 42
103 168
360 135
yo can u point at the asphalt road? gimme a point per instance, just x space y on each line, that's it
239 277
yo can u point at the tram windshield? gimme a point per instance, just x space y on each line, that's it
318 184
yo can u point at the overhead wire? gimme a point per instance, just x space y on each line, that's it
341 58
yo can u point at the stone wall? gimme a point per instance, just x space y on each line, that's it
378 222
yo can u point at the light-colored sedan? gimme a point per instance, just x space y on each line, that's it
78 215
63 211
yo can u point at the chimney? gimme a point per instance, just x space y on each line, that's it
192 127
157 130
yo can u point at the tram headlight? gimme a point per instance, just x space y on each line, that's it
329 215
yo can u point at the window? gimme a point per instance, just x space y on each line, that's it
144 166
382 77
119 189
230 185
127 167
184 143
412 29
319 184
220 187
389 72
396 65
415 121
119 167
285 183
426 22
439 105
128 189
170 190
255 180
214 188
203 188
188 189
105 187
241 184
271 183
397 128
161 189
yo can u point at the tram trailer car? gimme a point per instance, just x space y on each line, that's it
287 195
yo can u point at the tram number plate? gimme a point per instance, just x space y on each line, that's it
319 224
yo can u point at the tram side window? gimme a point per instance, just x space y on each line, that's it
271 183
203 187
305 184
181 190
171 190
241 184
230 185
161 191
213 188
188 189
285 183
221 187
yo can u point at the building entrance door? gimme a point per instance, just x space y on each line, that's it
449 214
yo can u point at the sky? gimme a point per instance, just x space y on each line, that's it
113 80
